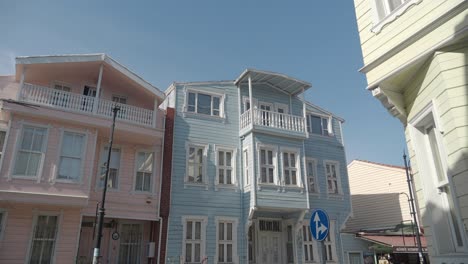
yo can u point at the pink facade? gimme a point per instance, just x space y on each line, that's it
55 116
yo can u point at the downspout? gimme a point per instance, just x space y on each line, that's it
241 180
303 150
254 182
160 219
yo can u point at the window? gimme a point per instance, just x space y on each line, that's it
206 104
318 125
119 99
310 247
2 142
267 167
331 170
71 156
43 239
225 167
114 167
61 95
312 175
289 168
194 240
31 151
144 172
246 166
385 7
195 164
355 258
289 244
130 243
226 250
432 160
330 246
251 244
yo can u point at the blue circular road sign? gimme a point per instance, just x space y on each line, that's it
319 224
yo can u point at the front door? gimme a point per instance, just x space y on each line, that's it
270 248
87 244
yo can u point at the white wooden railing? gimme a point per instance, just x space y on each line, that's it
81 103
273 120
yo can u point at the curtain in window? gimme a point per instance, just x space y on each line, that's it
71 153
43 241
130 244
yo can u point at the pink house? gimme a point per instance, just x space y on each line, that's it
55 118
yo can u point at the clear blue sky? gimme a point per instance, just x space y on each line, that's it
198 40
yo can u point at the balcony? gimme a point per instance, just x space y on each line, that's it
275 123
77 103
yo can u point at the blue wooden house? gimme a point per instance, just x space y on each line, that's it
251 160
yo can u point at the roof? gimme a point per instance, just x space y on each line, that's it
377 163
279 81
317 108
96 57
394 241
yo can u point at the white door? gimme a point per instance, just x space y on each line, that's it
266 115
270 248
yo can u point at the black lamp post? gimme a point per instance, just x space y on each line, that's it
413 210
97 247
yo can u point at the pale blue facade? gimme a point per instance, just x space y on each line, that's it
275 160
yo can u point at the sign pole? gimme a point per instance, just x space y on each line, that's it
102 209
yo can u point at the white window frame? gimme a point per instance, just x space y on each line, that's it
330 241
246 153
339 190
380 22
120 97
6 128
205 148
3 224
234 221
246 100
225 167
328 129
98 178
356 252
309 241
419 142
204 221
152 180
83 161
36 215
316 183
212 94
62 84
274 150
17 149
297 167
281 105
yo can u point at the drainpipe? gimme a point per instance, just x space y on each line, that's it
160 219
241 180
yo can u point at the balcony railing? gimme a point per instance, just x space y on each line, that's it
273 120
84 104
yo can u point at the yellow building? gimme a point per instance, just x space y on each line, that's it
415 56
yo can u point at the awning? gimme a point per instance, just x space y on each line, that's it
399 244
279 81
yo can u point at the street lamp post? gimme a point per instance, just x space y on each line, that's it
97 247
413 210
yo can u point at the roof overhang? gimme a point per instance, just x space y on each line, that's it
83 58
279 81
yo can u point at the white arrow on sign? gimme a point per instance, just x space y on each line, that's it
318 226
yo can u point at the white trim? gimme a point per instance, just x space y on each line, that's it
329 128
283 106
135 171
17 148
102 146
312 242
338 177
247 176
234 180
204 222
276 178
315 172
59 154
205 147
235 223
390 16
7 130
221 96
298 158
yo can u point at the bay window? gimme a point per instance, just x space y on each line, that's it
71 156
290 170
31 151
267 166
